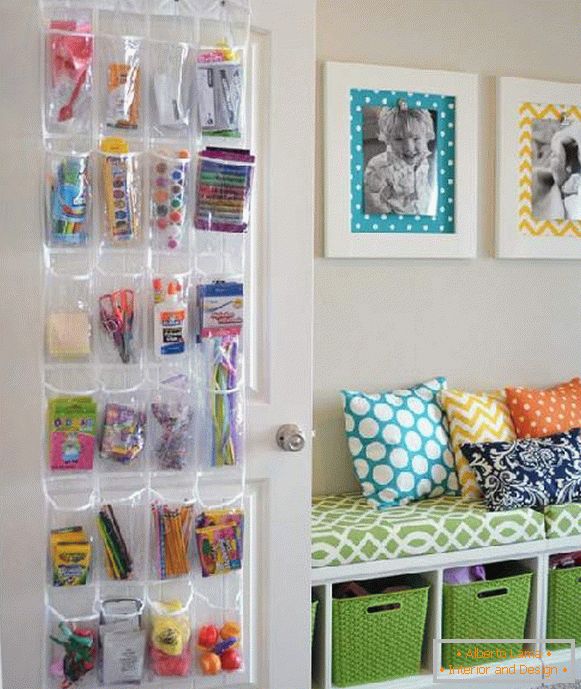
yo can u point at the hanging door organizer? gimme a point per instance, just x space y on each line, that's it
146 184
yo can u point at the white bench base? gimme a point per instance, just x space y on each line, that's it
534 555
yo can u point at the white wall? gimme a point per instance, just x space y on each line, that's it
387 323
22 544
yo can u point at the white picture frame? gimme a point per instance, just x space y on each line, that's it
461 92
524 229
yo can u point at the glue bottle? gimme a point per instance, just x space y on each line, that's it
171 321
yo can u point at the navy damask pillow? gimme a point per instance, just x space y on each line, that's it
529 472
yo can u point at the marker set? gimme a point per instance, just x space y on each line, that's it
147 189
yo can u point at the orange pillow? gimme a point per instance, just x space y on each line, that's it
536 413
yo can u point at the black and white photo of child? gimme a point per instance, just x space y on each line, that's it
556 162
399 147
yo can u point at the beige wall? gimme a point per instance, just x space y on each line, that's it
482 322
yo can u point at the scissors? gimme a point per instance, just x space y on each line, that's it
116 313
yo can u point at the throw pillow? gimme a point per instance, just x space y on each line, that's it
531 472
475 418
537 413
400 445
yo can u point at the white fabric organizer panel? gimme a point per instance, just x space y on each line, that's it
147 185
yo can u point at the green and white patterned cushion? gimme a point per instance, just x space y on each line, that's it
563 520
346 530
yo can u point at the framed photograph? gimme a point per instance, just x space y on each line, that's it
400 162
538 169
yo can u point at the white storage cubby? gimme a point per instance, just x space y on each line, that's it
533 556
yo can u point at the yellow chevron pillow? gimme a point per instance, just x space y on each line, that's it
480 417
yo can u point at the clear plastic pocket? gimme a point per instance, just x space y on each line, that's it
72 631
69 47
220 89
219 641
171 530
120 192
123 431
172 414
67 199
223 189
169 179
171 625
71 534
219 535
120 320
68 319
121 106
121 520
122 640
221 428
172 89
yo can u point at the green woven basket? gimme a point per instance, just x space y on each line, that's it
493 609
564 617
314 606
379 637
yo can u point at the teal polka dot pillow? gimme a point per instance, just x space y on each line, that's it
400 444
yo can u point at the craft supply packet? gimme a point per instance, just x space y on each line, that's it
72 425
221 309
223 189
123 432
71 556
219 97
219 550
219 537
122 641
69 197
123 96
121 191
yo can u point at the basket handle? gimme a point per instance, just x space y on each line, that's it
387 607
491 593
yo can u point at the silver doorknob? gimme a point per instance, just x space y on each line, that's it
290 438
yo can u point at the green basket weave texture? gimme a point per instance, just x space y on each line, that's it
373 645
314 606
495 609
564 614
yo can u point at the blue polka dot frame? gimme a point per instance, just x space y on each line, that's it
404 217
400 445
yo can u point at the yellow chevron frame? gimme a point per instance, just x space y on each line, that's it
528 224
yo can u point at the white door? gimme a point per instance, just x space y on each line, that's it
280 356
280 360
